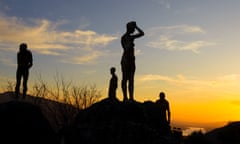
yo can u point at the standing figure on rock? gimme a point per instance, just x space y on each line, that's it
128 59
165 113
113 84
24 63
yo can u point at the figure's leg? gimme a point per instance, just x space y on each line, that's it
114 94
131 87
111 94
25 80
124 89
131 82
18 83
124 82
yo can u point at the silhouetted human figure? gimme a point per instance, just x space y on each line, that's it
24 63
128 58
165 114
113 84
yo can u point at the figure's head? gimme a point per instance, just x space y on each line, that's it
23 47
131 26
112 70
162 95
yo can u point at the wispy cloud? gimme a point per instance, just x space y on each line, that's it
84 59
226 81
43 36
179 79
176 29
163 3
179 37
6 60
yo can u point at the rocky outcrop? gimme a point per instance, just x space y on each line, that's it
22 122
112 122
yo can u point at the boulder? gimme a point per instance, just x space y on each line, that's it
23 122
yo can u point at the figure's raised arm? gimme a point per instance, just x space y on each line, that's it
140 32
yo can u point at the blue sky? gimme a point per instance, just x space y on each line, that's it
190 49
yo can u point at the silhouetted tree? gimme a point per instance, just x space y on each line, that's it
68 99
9 87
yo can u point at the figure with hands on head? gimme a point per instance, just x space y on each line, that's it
128 66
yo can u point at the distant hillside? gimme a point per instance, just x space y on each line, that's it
189 127
228 134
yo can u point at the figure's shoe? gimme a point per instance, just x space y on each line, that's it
23 96
131 100
16 96
125 100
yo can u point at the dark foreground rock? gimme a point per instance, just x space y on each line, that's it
107 121
23 122
113 122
